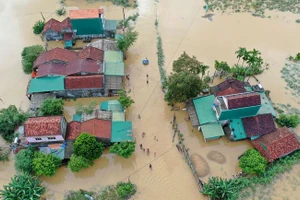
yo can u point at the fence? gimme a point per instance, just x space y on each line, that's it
182 149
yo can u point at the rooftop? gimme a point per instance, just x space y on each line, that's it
55 25
91 53
51 69
85 13
237 128
43 126
259 125
114 69
46 84
229 86
82 82
97 127
113 56
118 116
110 25
121 131
83 66
204 110
112 105
266 105
243 100
73 130
212 131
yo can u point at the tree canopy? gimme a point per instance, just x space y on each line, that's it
45 164
125 100
217 188
78 163
29 55
52 107
128 39
183 86
23 186
23 160
253 162
38 27
87 146
288 120
126 190
124 149
190 64
10 119
222 67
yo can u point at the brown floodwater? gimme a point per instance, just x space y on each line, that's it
182 29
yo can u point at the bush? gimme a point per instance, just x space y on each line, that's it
297 20
124 149
23 160
288 121
29 55
124 43
45 164
38 27
78 163
90 108
125 190
125 100
218 188
10 119
23 186
87 147
78 195
61 11
52 107
252 162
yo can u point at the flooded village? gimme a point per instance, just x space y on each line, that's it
167 148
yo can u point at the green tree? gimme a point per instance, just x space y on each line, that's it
124 149
125 100
253 162
240 53
288 120
219 189
23 186
183 86
222 67
87 146
128 39
45 164
90 108
78 163
125 190
61 11
29 55
23 160
190 64
10 119
38 27
51 107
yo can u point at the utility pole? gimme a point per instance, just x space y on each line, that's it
43 17
123 19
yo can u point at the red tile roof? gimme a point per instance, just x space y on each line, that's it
97 127
51 69
230 90
83 66
243 100
277 144
42 126
259 125
91 53
68 36
85 13
55 25
229 86
81 82
55 54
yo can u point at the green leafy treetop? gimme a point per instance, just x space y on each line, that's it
78 163
45 164
288 121
183 86
124 149
125 190
190 64
87 146
124 99
23 160
38 27
10 119
51 107
29 55
253 162
124 43
220 189
23 186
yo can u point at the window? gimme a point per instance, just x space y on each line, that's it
38 138
51 138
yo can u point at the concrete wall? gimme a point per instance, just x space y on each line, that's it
58 138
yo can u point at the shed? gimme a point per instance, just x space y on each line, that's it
121 131
110 27
113 56
112 105
204 110
114 69
46 84
212 131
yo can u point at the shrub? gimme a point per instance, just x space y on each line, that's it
23 160
288 121
124 43
297 20
29 55
124 149
125 190
45 164
87 147
218 188
78 163
90 108
125 100
23 186
52 107
38 27
252 162
61 11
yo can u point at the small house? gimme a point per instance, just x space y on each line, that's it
45 129
114 73
277 144
55 30
46 84
121 131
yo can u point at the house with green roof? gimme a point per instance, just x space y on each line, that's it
46 84
121 131
113 56
113 75
110 27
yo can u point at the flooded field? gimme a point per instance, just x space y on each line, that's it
182 28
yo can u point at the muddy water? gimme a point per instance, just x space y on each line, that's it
182 29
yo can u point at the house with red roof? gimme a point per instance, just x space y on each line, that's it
91 53
229 86
277 144
55 30
45 129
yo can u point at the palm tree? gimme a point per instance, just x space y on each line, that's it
240 53
245 57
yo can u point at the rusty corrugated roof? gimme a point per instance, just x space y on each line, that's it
91 53
82 82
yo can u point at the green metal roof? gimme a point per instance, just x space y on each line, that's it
114 69
121 131
112 105
118 116
110 25
68 44
104 106
113 56
237 129
204 110
266 105
77 117
46 84
239 113
212 131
